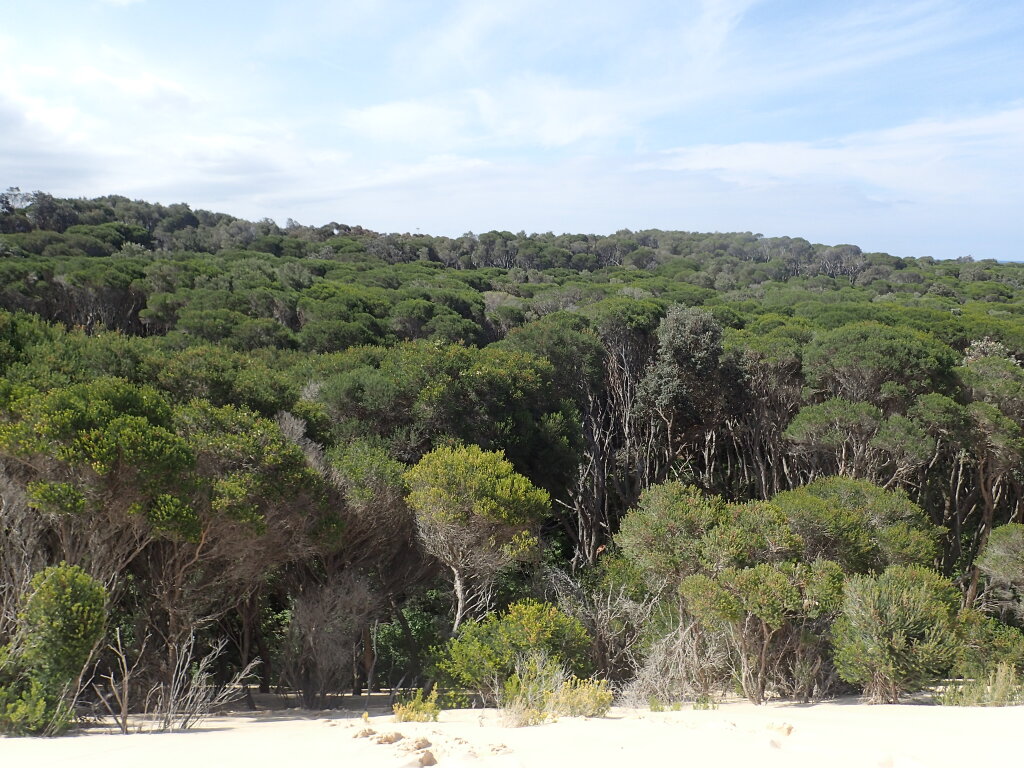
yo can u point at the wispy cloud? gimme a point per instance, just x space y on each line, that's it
926 160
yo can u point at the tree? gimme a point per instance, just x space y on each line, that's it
476 515
676 531
878 364
771 615
682 390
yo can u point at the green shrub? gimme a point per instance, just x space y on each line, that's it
579 697
526 696
859 525
897 632
770 616
418 709
676 530
27 708
60 624
484 654
63 620
705 702
986 642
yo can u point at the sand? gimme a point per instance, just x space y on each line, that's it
834 735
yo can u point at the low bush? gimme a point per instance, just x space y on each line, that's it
59 627
418 709
999 686
484 655
540 689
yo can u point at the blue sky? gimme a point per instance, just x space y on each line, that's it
898 126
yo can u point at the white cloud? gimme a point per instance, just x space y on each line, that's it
921 161
139 85
407 122
542 110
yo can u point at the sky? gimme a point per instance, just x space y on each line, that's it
896 126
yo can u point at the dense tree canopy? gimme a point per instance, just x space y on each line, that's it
249 431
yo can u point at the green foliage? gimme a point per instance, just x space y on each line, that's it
998 685
897 632
30 709
60 625
62 621
153 346
1003 557
859 525
418 709
540 689
477 491
676 530
484 654
771 615
877 363
985 642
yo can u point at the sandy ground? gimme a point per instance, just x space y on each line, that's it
834 735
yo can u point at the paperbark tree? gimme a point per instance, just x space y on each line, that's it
476 515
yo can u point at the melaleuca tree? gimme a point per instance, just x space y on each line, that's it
676 531
476 515
681 394
101 461
415 394
1002 561
860 526
870 362
577 356
766 354
197 502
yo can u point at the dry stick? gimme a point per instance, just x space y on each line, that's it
121 697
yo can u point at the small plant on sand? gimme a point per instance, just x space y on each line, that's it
999 686
418 709
582 698
705 701
540 689
485 653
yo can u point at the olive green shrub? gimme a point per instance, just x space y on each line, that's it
771 616
484 654
540 689
60 625
897 632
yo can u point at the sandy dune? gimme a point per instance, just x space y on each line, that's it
834 735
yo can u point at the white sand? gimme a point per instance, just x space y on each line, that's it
834 735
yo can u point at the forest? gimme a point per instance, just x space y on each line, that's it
663 466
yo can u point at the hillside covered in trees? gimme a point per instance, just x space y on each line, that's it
682 463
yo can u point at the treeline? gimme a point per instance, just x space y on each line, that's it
336 448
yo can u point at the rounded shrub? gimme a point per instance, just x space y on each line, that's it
897 632
485 653
62 621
